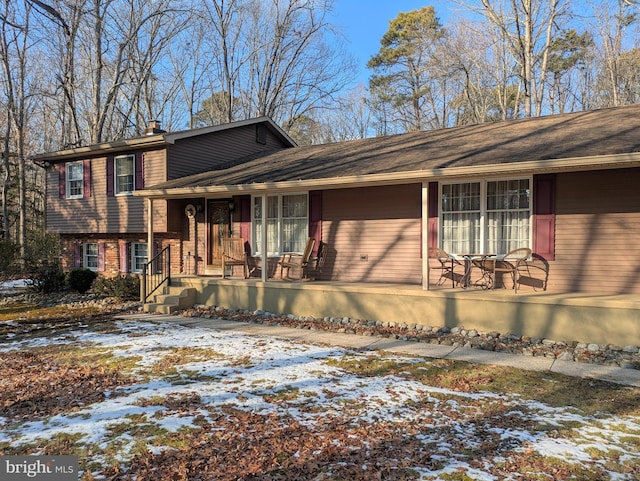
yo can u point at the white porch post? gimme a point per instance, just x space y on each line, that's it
425 236
263 240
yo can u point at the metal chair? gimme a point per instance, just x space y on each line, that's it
446 265
234 254
512 262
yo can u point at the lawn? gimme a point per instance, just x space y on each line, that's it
152 401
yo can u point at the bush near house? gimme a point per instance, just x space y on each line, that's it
80 279
47 278
120 287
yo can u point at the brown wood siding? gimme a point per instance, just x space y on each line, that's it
597 232
198 154
101 213
372 234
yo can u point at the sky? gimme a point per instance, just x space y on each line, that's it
364 23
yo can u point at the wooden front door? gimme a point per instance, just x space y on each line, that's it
218 219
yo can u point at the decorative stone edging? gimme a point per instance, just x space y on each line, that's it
606 354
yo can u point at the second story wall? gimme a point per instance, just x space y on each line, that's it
94 195
200 153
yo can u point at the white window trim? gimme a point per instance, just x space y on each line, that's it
115 175
134 257
483 208
257 243
68 180
85 256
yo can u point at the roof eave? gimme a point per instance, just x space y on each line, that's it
613 161
156 140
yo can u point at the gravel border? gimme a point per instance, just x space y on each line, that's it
605 354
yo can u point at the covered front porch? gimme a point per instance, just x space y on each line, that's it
583 317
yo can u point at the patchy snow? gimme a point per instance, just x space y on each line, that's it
248 373
12 286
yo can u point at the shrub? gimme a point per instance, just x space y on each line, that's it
47 278
80 280
121 287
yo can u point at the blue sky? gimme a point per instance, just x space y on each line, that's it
365 22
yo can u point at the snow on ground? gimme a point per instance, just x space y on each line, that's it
11 286
246 372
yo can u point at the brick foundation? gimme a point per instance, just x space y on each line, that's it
111 249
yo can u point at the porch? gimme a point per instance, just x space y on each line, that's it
584 317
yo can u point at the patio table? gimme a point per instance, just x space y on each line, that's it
484 262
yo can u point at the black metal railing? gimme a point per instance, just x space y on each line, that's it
155 273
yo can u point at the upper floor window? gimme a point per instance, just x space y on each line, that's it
124 174
74 179
486 217
287 223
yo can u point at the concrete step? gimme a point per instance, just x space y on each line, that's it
174 299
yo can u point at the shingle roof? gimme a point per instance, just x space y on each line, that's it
566 136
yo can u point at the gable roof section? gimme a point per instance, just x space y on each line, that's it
605 138
156 140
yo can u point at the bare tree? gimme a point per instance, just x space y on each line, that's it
14 46
529 27
613 20
292 68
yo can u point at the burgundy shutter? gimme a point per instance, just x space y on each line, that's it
124 257
433 202
139 170
62 181
244 205
77 254
86 179
544 216
101 257
315 218
110 180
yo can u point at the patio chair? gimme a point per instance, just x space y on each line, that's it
295 260
234 254
512 262
446 265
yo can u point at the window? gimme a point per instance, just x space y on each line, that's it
75 179
488 216
287 223
90 256
124 174
138 256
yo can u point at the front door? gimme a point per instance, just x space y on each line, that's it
218 219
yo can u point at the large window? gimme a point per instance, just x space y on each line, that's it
486 217
90 256
124 174
75 179
138 256
287 223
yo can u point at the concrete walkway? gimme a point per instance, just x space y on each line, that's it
630 377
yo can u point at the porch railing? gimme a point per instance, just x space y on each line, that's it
155 273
